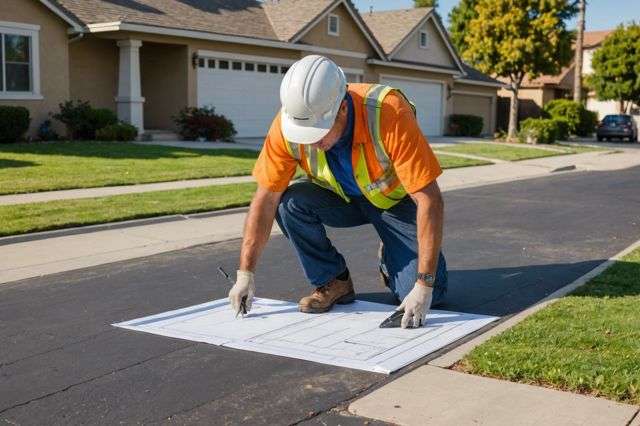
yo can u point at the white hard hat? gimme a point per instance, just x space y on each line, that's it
311 94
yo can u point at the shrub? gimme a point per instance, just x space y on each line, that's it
581 121
14 123
465 125
46 132
101 118
538 130
82 121
588 123
122 132
562 128
194 123
76 116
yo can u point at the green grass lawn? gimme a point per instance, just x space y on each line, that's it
24 218
34 167
451 162
512 153
587 342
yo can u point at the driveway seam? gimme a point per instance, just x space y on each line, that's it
57 348
22 404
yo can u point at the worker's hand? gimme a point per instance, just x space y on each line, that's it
244 286
416 305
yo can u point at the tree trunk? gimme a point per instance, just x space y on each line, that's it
513 112
577 78
621 106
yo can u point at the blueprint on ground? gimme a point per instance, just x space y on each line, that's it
347 336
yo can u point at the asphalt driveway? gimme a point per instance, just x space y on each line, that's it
61 362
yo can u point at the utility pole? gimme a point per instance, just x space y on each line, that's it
577 78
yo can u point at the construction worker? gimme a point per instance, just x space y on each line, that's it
367 163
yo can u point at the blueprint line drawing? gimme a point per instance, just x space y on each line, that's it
347 336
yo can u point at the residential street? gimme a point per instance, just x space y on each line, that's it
507 245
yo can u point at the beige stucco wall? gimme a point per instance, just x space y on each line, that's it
479 105
436 52
350 38
165 82
476 100
94 71
54 57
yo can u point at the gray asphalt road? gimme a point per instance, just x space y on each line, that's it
61 362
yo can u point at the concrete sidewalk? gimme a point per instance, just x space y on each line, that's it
437 396
52 252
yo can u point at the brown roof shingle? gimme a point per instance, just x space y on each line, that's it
391 27
289 17
234 17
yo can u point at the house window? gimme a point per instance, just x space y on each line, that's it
19 61
274 69
223 65
237 66
212 63
249 66
334 25
262 68
284 70
201 62
423 39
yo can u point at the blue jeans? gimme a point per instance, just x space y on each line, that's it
304 210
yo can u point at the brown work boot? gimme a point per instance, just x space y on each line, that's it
323 298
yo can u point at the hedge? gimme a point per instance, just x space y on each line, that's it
465 125
14 123
538 130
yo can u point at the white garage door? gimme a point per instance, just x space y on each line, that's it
245 91
428 99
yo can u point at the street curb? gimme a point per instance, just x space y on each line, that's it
35 236
452 357
77 230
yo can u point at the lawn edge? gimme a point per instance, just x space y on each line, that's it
452 357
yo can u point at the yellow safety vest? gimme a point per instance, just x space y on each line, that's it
384 192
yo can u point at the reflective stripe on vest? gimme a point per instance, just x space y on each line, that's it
383 193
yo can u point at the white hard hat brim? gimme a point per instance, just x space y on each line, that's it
295 132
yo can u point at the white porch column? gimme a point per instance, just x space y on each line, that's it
130 101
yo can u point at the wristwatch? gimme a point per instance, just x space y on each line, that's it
427 278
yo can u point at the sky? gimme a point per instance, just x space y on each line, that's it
601 14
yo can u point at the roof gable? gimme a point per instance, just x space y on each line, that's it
349 34
394 28
61 13
290 17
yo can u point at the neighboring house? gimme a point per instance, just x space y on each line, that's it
147 59
422 61
535 94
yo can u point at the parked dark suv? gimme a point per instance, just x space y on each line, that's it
617 126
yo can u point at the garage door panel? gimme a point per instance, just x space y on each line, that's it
250 99
427 97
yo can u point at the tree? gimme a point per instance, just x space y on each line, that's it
518 38
616 67
425 3
577 73
459 19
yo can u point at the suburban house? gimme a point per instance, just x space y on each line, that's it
147 59
535 94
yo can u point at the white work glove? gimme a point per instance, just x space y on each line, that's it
244 286
416 305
